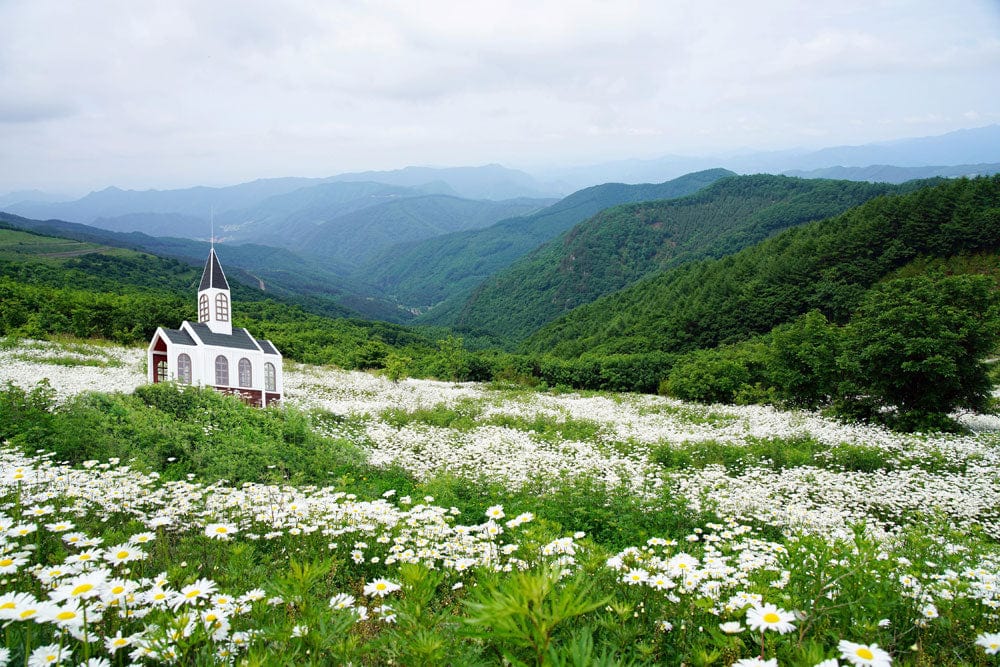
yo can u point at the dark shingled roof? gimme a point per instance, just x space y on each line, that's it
179 336
266 346
240 340
212 276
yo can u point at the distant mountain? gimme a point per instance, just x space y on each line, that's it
962 147
354 238
198 201
621 245
281 219
884 173
827 265
19 196
423 274
491 181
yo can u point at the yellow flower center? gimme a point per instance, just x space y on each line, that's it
193 594
28 613
7 605
65 615
863 652
6 561
81 589
119 642
118 590
84 557
771 617
222 529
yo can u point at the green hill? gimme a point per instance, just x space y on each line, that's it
828 266
355 237
427 273
272 271
621 245
56 286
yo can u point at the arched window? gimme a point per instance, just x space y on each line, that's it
221 308
246 373
161 370
203 308
222 371
184 368
270 378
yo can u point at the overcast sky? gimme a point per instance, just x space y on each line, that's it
145 94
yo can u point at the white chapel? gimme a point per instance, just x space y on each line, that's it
212 353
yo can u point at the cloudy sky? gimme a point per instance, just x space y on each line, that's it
173 93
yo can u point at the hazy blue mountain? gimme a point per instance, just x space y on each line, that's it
9 199
280 219
198 201
491 181
884 173
962 147
423 274
356 237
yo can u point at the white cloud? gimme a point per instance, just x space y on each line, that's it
163 94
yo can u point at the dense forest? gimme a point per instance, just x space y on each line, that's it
447 268
623 244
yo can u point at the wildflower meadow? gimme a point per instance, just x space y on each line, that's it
415 522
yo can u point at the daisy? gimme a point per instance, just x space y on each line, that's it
69 615
864 655
832 662
82 586
116 642
495 512
731 628
142 538
990 641
380 587
756 662
220 531
124 553
59 526
191 593
769 617
341 601
636 576
50 654
10 563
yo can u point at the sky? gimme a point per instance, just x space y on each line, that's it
175 93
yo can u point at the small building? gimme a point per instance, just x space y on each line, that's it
213 353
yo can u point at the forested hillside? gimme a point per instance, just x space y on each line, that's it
621 245
353 238
450 266
827 266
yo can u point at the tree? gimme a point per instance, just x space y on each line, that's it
914 350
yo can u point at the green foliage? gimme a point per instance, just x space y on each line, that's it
826 266
178 430
913 352
521 613
623 244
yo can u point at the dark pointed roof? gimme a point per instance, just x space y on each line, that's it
213 277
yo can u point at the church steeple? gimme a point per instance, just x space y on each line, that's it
214 305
